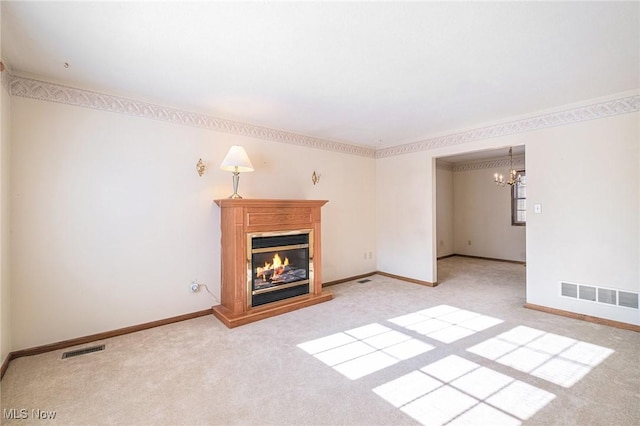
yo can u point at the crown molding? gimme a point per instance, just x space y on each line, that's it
569 116
444 165
52 92
4 79
492 163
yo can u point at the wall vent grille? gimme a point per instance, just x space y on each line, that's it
608 296
569 290
82 351
630 300
587 292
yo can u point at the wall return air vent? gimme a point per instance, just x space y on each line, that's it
608 296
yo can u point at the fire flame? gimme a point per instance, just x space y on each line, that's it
277 267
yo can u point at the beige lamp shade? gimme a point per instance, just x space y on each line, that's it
237 160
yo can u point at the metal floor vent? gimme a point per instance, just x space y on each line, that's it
608 296
364 281
82 351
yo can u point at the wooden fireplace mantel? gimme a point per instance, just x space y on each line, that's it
240 217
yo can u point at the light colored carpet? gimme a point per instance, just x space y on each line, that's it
385 352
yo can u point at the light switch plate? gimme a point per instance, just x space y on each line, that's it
537 208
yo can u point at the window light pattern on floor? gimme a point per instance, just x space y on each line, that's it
361 351
445 323
557 359
456 391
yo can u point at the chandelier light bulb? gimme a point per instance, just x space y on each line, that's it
514 177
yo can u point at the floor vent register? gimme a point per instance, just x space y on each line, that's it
82 351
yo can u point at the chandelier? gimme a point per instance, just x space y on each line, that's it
514 177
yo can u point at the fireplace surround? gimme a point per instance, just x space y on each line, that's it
271 258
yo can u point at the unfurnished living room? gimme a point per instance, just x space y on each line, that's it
320 213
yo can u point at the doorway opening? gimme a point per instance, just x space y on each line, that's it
472 214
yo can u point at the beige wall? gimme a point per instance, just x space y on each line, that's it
584 175
5 287
444 210
589 228
482 216
111 221
406 215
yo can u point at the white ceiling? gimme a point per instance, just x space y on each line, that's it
376 73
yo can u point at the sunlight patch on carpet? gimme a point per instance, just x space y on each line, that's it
456 391
557 359
358 352
445 323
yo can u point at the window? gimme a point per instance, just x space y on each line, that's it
519 201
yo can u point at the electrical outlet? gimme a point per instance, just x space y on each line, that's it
194 287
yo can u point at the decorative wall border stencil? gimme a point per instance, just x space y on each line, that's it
590 112
494 163
4 80
51 92
444 165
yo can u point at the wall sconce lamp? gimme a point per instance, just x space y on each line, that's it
200 167
315 178
236 161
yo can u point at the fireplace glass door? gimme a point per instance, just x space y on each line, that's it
279 266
